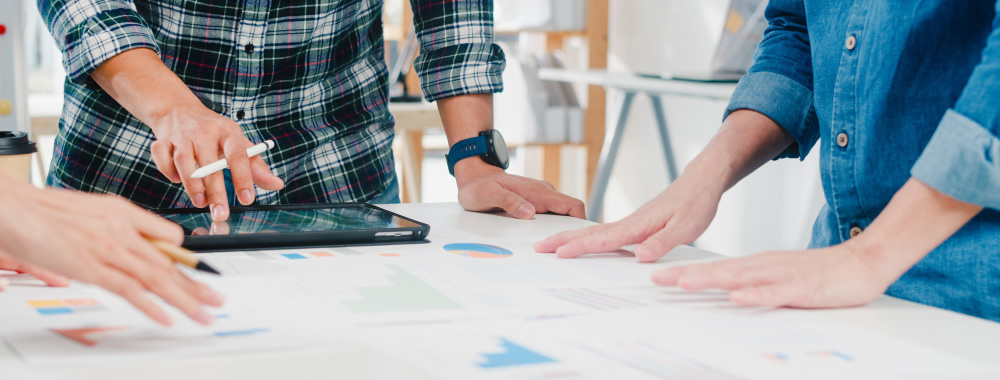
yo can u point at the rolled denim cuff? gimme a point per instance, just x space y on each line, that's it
783 100
961 161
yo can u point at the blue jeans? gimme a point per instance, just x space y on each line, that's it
390 195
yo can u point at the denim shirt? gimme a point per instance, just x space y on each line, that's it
891 90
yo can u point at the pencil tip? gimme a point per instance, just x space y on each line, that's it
202 266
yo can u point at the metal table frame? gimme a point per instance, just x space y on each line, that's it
630 86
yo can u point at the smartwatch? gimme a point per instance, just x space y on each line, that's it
489 146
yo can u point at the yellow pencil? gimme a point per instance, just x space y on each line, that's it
182 256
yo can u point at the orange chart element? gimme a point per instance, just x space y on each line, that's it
321 254
478 251
82 336
65 306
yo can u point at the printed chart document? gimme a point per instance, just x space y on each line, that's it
86 325
673 343
469 306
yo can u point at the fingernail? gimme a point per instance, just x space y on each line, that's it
163 318
216 298
203 317
525 211
217 213
544 247
198 200
60 281
245 197
666 277
689 283
561 253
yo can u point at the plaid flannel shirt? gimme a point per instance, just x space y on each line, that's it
314 80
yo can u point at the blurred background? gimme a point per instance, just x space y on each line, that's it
571 63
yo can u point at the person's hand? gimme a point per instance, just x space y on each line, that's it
194 136
217 228
10 264
676 216
483 187
838 276
101 240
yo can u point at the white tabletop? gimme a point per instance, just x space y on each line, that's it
635 83
961 335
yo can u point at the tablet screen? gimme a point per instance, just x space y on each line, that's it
285 221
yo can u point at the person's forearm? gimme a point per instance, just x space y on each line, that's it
914 223
464 116
746 140
141 83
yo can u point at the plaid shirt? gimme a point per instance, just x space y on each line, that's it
314 80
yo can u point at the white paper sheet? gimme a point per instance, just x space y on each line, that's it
86 325
674 343
503 311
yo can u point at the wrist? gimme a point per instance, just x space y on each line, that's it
875 252
709 172
162 118
473 167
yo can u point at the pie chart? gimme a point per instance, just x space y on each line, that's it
478 251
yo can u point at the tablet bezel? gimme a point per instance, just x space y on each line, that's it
206 243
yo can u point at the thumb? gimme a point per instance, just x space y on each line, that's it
48 277
774 295
657 245
516 205
3 283
262 175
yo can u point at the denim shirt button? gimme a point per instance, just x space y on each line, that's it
855 231
851 42
842 140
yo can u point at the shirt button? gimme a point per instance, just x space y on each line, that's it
855 231
248 48
240 114
851 42
842 139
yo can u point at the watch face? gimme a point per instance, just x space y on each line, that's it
500 147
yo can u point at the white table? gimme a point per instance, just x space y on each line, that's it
961 335
631 85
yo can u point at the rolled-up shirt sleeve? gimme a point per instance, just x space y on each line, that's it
91 32
457 53
779 84
962 158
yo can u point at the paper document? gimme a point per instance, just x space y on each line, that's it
673 343
87 325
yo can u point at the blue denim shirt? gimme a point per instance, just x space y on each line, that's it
891 90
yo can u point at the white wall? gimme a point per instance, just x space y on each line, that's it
773 208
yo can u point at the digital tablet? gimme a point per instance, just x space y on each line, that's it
300 225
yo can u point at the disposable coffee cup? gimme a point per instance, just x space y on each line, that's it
15 155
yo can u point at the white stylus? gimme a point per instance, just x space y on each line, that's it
209 169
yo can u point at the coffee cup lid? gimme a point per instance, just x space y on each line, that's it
12 143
